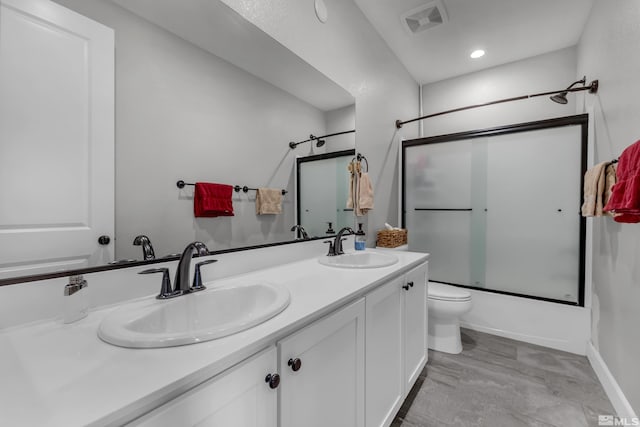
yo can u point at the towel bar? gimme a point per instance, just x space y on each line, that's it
236 188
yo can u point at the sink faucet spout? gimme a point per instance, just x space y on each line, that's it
181 281
337 245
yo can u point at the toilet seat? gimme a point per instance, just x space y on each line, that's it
441 292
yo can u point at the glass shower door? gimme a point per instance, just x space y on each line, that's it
499 212
438 210
533 223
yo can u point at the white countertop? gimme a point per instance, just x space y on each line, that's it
64 375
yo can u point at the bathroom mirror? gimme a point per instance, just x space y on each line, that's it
201 95
321 192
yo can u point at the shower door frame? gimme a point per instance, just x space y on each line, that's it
313 158
581 120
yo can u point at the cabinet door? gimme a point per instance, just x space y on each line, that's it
384 364
327 386
239 397
415 324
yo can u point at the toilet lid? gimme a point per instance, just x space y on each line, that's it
440 291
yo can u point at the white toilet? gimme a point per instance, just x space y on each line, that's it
446 304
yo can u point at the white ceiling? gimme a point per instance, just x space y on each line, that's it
508 30
216 28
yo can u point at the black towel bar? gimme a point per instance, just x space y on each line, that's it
236 188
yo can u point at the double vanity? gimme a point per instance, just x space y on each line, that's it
322 341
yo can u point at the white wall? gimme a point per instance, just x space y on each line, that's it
349 51
543 73
608 51
182 113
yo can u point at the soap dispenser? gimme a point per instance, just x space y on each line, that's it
360 239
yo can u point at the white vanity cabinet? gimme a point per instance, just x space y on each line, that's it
396 343
322 370
352 368
384 361
415 324
241 396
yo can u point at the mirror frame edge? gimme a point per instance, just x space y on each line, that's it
109 267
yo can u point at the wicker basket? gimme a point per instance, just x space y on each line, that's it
392 238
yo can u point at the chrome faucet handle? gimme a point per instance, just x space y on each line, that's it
197 277
332 251
165 290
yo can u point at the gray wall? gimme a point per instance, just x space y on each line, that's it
183 113
608 51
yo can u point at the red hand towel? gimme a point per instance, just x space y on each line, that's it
625 194
212 200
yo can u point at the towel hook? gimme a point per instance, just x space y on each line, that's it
360 158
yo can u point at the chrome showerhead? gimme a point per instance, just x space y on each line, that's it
319 142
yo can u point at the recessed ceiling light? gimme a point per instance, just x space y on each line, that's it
477 54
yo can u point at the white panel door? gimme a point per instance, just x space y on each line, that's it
415 324
56 138
239 397
324 385
384 378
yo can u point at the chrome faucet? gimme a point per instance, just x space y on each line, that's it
335 246
302 231
181 282
147 248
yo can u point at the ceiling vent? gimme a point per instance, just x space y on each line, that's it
424 17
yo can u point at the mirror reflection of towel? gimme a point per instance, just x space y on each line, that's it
268 201
212 200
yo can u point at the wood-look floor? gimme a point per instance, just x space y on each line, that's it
498 382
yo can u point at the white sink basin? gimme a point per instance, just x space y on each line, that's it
364 259
193 318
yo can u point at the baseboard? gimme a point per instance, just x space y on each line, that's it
614 392
563 345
